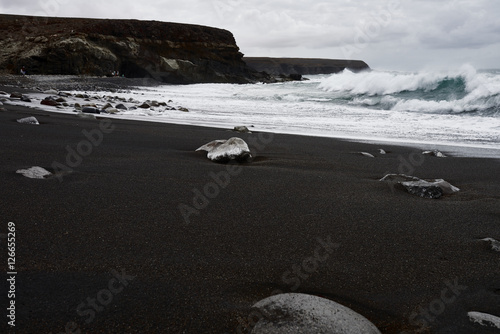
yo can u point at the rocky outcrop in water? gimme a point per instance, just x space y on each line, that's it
168 52
303 66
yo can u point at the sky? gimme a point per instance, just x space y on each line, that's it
400 35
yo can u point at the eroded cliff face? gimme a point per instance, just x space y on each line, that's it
304 66
168 52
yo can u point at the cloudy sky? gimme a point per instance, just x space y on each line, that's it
406 35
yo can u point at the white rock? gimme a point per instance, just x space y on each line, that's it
111 110
292 313
424 188
446 187
51 92
382 151
434 153
366 154
34 172
28 120
495 244
225 150
484 319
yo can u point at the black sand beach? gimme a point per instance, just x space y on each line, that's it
106 248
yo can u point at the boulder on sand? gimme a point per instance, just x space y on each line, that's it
292 313
222 150
424 188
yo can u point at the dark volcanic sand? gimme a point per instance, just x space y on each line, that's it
119 210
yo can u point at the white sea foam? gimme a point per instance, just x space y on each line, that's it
326 106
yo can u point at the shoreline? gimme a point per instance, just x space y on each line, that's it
457 150
118 210
37 84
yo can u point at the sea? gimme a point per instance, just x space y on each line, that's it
457 111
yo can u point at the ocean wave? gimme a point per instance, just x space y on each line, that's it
463 91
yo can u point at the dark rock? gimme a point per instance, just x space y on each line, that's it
90 110
183 109
295 76
16 95
60 100
166 52
25 99
144 106
49 102
242 129
303 66
107 105
121 106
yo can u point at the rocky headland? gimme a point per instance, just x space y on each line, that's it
303 66
167 52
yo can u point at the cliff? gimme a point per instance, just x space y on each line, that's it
168 52
303 66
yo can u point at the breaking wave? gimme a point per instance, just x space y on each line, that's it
456 92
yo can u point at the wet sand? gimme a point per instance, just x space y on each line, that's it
140 234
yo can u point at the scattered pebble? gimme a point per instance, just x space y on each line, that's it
366 154
242 129
35 172
28 120
121 106
91 110
16 95
434 153
49 101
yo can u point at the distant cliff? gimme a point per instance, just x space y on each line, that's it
168 52
303 66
